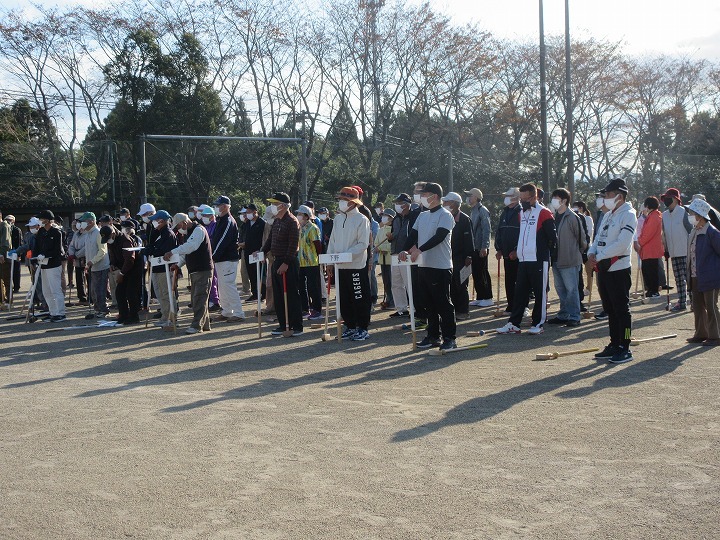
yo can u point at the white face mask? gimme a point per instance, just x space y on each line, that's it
273 209
507 201
34 230
556 203
693 220
88 225
384 219
146 219
206 220
575 209
599 203
322 217
217 210
468 201
242 217
249 216
156 224
182 231
610 203
379 211
343 206
425 202
128 230
398 208
191 215
416 197
79 226
111 241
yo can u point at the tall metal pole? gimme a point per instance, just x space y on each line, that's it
543 108
303 160
570 175
112 169
143 177
451 183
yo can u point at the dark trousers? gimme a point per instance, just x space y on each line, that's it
252 276
651 275
459 291
80 283
127 295
481 277
531 277
435 288
5 277
293 295
17 276
418 297
355 300
511 272
386 271
200 289
614 288
310 294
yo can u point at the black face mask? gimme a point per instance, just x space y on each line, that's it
668 201
526 205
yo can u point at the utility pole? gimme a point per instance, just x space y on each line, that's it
451 184
143 177
544 154
570 175
303 158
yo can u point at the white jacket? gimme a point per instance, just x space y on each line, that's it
615 237
676 230
350 234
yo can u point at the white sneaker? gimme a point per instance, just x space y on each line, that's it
509 328
535 330
160 324
475 302
191 330
486 303
526 313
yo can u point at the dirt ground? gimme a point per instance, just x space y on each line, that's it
136 433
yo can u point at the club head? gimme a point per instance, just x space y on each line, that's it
326 337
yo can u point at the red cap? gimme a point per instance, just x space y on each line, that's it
673 193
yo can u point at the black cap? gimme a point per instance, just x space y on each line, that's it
46 214
309 204
403 198
322 210
125 211
129 223
105 219
540 194
432 187
280 197
618 184
222 199
251 206
105 233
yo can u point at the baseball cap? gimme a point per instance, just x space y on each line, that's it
145 208
46 214
432 187
304 209
160 214
476 192
512 192
452 197
207 211
279 197
34 222
129 223
179 218
105 232
403 198
222 199
618 184
389 212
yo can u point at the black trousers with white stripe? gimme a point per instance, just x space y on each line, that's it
531 276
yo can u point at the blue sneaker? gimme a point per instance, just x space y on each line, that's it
360 335
349 333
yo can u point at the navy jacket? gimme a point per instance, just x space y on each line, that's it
224 239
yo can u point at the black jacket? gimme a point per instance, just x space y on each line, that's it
461 242
49 244
253 235
225 239
508 230
162 241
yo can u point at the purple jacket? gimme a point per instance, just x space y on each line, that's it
707 255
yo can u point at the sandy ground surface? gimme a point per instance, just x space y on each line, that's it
135 433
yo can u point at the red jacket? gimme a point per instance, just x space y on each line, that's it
650 240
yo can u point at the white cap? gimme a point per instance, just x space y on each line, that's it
34 222
145 208
452 197
302 209
512 192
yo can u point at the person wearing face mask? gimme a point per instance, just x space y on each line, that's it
196 254
97 267
480 217
309 250
650 248
399 237
506 241
147 232
128 265
462 246
253 230
283 244
76 254
712 213
383 248
193 213
536 241
704 273
379 208
326 225
49 248
676 229
5 263
611 252
16 237
351 234
430 236
567 260
418 298
245 277
163 241
27 249
224 241
207 218
269 308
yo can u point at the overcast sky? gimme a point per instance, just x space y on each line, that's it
687 27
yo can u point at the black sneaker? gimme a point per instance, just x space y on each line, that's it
428 343
448 344
602 316
622 356
607 353
557 320
278 331
398 314
572 324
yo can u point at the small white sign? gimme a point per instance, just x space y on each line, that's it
256 257
139 248
159 261
395 261
335 258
